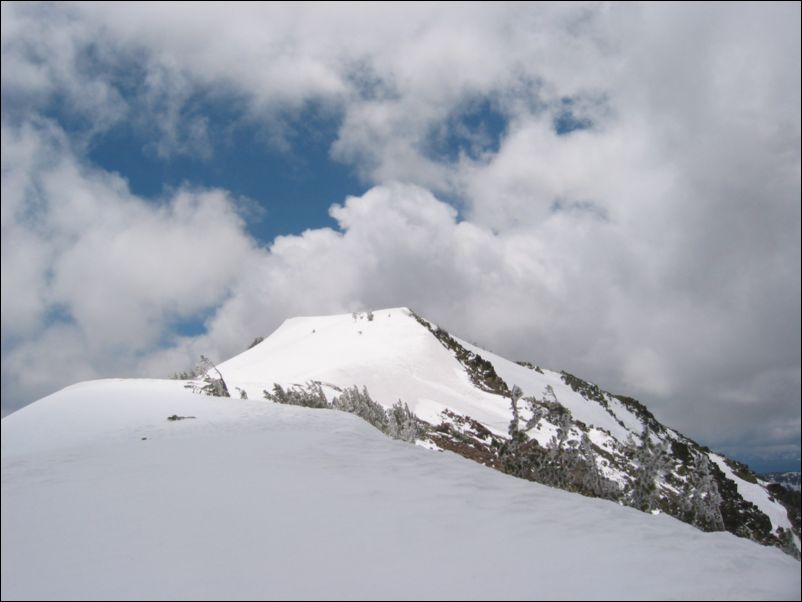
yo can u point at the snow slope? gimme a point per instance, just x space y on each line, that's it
758 495
251 500
392 355
397 355
532 382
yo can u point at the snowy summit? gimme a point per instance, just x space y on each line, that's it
142 489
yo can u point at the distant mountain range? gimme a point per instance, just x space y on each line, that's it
789 479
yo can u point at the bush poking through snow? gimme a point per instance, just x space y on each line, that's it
354 401
565 462
398 422
212 382
402 423
310 396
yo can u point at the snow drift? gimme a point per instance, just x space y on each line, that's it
104 498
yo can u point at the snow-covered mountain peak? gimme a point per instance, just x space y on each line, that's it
399 355
388 351
117 454
572 434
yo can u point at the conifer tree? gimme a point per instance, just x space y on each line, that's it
358 402
513 459
214 386
402 423
651 462
701 504
515 395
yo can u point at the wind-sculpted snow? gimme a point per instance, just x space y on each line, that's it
103 497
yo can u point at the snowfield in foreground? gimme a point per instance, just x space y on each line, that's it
104 498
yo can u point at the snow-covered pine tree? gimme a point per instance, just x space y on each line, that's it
309 396
592 478
651 462
561 453
515 395
358 402
537 411
402 423
511 455
212 385
592 481
702 501
279 395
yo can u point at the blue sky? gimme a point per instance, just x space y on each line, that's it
291 188
561 183
290 185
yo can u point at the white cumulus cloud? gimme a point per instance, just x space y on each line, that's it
655 250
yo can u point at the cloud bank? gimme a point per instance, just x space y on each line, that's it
608 189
